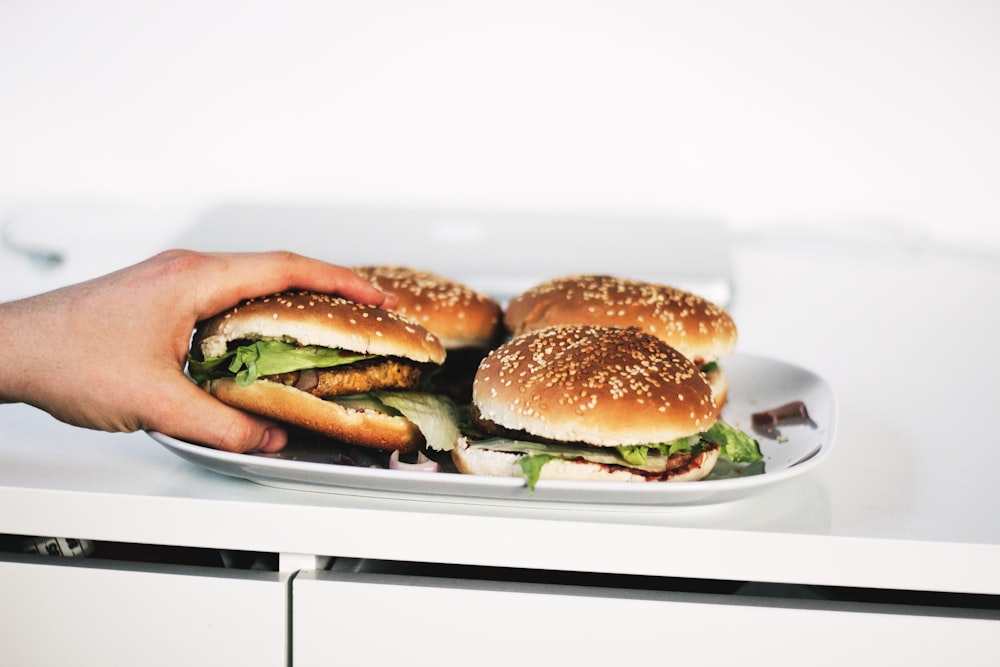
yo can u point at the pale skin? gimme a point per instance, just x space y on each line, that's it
109 354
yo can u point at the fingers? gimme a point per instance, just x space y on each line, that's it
241 275
195 416
207 284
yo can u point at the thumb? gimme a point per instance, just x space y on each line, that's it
196 416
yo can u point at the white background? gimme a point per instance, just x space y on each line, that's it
874 114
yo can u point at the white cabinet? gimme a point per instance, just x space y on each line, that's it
886 514
367 618
59 611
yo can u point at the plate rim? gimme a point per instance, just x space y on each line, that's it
291 473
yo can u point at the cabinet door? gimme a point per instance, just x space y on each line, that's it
368 619
56 611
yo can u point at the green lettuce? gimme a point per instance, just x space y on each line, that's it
531 467
435 415
269 357
637 455
734 444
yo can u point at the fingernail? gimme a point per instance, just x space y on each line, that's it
391 300
273 441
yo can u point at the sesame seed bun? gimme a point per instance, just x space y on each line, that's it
308 318
311 319
697 328
457 314
598 385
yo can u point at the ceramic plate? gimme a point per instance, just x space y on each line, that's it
755 384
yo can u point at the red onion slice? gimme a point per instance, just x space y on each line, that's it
308 379
423 463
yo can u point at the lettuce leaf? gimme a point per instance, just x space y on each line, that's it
636 455
435 415
735 445
531 467
269 357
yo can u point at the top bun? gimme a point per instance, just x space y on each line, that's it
457 314
598 385
309 318
697 328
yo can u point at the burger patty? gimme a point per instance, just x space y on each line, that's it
383 373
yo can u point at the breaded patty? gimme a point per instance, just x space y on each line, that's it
382 373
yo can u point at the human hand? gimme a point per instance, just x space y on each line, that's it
109 353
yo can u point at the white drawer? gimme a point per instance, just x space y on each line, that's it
59 611
365 618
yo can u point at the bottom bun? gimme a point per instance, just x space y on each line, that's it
367 428
475 461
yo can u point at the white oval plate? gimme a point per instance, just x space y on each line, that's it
755 383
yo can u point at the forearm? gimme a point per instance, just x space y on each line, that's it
16 319
36 348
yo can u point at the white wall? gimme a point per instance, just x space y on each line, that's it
766 112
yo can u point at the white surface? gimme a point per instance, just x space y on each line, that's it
486 623
79 613
846 112
904 501
757 383
87 239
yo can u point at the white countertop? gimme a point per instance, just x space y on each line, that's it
908 499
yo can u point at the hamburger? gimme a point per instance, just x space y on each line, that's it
467 322
586 402
348 371
697 328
